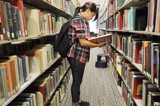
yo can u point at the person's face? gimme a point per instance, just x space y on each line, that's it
89 14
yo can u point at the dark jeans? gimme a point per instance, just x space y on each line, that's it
77 74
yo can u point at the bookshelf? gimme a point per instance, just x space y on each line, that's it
134 62
24 46
44 5
138 66
103 9
126 5
135 32
27 38
34 76
61 79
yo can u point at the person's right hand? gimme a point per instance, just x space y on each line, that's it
102 44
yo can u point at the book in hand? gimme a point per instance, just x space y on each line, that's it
99 39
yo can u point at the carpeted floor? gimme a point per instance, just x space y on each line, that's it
98 86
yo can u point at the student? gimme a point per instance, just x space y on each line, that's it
80 50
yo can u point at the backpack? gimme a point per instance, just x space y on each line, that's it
62 40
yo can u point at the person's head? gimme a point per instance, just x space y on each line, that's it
88 11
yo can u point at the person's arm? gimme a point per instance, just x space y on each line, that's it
84 42
82 32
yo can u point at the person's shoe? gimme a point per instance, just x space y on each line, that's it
83 103
75 104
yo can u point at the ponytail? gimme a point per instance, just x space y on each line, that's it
97 13
77 10
87 5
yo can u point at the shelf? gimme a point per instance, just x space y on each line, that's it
3 42
103 10
119 88
34 76
137 101
69 81
103 21
104 48
61 79
26 38
42 4
137 32
138 66
110 58
127 5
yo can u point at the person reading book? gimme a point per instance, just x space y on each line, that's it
80 51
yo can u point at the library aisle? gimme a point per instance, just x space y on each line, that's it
98 86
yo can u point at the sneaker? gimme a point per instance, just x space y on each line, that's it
84 103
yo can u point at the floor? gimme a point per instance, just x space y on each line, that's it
98 86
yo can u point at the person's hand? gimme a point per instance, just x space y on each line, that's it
102 44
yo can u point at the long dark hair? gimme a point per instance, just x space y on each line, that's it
87 5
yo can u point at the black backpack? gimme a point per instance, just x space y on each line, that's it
62 40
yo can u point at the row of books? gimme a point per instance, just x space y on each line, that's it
103 8
60 4
129 19
135 57
14 72
42 22
135 86
149 98
141 18
113 6
76 3
13 24
17 23
48 90
67 6
37 57
127 96
141 51
137 18
57 98
128 99
130 46
16 69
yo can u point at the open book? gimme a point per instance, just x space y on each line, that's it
99 39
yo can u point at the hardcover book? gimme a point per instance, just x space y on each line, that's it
99 39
